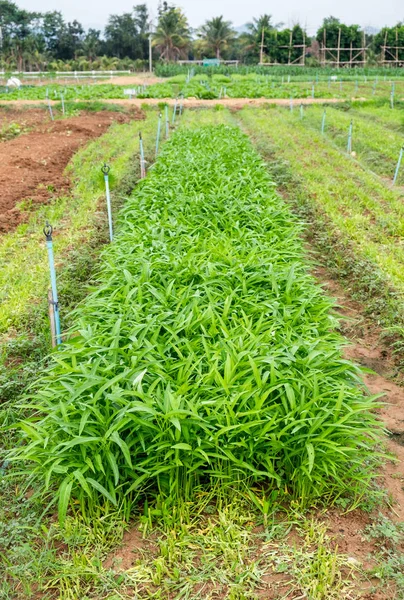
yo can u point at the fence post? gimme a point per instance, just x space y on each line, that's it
106 169
323 122
53 296
398 165
142 161
301 110
63 103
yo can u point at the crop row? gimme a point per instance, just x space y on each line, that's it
373 144
361 212
206 354
216 87
379 112
24 271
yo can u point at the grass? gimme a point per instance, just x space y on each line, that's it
80 230
378 111
206 355
376 146
72 216
199 551
357 221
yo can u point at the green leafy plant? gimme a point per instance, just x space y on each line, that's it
206 354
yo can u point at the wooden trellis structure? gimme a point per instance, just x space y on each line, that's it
332 56
390 54
299 61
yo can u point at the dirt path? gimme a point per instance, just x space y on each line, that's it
188 102
366 350
24 117
32 165
135 79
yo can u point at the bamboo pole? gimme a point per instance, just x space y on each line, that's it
339 47
262 47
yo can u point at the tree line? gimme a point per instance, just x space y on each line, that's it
46 41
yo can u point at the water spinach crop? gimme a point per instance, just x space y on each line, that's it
206 356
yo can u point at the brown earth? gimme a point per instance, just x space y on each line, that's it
135 79
234 103
32 165
367 350
25 118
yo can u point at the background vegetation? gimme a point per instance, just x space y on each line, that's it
45 41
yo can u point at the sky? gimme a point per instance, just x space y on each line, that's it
309 14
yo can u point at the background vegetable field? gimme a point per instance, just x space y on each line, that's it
214 424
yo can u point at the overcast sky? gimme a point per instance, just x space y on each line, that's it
310 14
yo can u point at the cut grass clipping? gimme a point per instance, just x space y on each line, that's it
206 355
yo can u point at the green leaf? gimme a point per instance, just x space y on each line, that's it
64 498
102 490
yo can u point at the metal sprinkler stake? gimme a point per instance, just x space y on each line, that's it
106 169
323 122
167 122
349 146
142 161
398 165
50 110
48 230
158 133
175 110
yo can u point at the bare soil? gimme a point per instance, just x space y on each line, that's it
234 103
135 79
32 165
25 118
367 350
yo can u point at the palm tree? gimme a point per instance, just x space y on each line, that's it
109 63
216 35
91 45
172 37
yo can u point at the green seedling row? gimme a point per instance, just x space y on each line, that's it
24 270
376 146
379 112
210 88
205 356
362 213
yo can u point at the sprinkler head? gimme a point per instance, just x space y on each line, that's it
48 230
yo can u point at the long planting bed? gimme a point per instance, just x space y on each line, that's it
206 355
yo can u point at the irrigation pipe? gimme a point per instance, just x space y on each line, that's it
48 231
